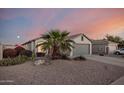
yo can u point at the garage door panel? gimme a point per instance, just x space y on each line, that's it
81 49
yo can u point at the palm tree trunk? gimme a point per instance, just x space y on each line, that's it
55 52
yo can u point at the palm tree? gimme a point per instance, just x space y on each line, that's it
56 43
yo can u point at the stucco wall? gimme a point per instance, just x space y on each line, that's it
78 40
27 46
32 45
112 48
85 41
1 51
38 41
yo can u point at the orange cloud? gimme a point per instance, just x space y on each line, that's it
95 23
108 26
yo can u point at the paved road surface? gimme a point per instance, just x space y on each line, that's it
107 59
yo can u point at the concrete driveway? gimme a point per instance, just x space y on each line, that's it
107 59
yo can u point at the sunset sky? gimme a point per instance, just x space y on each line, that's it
21 25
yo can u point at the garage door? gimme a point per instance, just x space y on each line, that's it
81 49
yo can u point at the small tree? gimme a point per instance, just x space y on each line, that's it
121 44
115 39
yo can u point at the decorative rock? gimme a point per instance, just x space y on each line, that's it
39 62
47 63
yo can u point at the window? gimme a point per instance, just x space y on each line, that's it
82 38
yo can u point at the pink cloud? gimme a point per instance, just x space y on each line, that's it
95 23
34 32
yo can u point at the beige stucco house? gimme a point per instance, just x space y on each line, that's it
82 46
103 47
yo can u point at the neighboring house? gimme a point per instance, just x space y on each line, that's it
103 47
82 46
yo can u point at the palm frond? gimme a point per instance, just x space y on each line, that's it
65 33
70 41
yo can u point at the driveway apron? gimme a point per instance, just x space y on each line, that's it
106 59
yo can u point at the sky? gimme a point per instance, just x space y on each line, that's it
20 25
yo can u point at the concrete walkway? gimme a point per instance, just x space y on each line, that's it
105 59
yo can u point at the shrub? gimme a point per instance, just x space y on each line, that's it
9 53
65 57
27 53
80 58
19 49
101 54
13 61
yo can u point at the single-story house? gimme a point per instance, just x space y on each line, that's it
103 47
82 46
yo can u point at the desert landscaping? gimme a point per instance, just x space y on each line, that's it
62 72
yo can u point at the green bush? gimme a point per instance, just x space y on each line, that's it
14 61
27 53
65 57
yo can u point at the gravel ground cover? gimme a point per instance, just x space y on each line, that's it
61 72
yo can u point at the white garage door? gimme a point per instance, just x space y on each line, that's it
81 49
